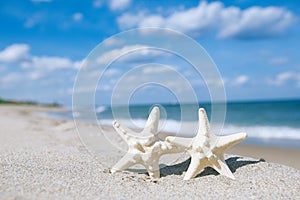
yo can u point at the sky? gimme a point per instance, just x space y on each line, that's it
254 44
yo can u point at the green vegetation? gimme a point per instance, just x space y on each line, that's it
12 102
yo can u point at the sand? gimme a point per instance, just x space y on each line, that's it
44 158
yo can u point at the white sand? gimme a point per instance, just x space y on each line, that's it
44 159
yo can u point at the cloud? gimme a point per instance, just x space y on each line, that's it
284 78
112 42
2 68
111 72
30 67
237 81
256 22
19 54
155 69
136 53
240 80
49 63
77 17
118 4
228 22
128 20
10 78
115 53
14 53
278 60
40 78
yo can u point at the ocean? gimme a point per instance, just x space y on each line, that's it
267 123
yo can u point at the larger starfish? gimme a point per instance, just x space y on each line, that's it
144 148
206 148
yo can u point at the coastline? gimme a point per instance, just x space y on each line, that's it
44 158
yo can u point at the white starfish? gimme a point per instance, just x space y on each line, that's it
144 148
206 148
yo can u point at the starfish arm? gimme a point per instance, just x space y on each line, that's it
225 142
195 167
221 167
152 122
168 147
153 168
204 127
180 141
123 132
126 161
220 155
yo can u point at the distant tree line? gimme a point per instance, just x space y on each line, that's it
13 102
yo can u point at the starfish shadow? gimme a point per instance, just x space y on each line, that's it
232 162
139 171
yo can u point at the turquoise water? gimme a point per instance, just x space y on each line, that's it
273 123
267 113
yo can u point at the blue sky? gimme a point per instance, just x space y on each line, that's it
255 44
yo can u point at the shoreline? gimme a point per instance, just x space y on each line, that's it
281 155
271 153
42 158
276 136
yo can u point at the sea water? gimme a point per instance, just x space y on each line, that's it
271 123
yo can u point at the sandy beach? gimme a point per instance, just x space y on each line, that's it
43 158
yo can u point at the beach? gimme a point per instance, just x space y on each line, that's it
44 158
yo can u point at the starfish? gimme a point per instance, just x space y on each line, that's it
144 148
206 148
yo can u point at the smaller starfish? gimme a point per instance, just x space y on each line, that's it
207 149
144 148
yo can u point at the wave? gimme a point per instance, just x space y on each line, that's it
100 109
171 126
266 132
190 129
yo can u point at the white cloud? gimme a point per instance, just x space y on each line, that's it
111 72
34 75
237 81
39 78
112 42
253 22
128 20
14 53
77 17
278 60
105 87
51 63
47 63
118 4
256 22
114 54
135 53
198 19
78 64
20 55
30 67
284 78
155 69
240 80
